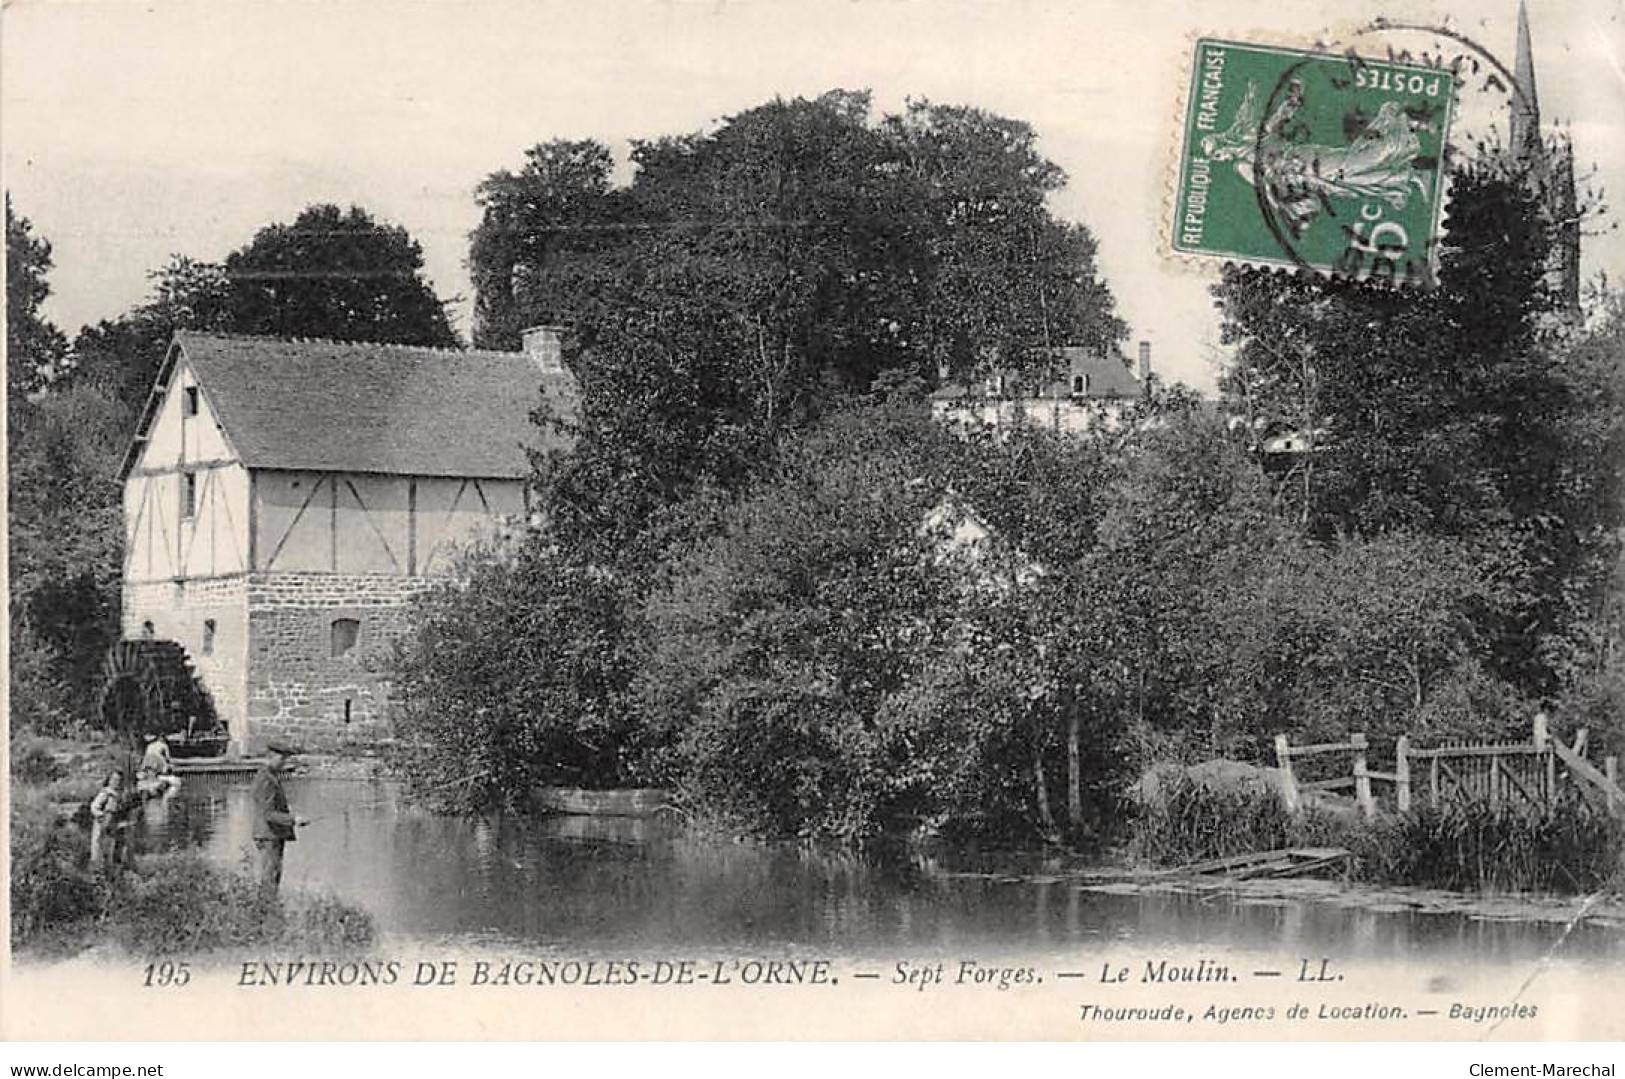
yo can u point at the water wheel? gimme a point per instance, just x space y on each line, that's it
148 687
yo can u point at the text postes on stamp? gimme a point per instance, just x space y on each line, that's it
1313 160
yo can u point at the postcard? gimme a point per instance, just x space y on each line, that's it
1070 520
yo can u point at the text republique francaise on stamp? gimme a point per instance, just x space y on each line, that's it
1312 160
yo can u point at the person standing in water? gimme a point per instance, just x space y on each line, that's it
156 776
108 825
274 822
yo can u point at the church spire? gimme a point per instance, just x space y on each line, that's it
1526 141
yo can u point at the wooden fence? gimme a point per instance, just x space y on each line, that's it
1537 772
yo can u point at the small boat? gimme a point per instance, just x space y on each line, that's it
626 802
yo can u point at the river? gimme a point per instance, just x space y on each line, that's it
564 884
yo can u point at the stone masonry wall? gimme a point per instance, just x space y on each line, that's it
298 690
180 611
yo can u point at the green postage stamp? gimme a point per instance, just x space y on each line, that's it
1313 160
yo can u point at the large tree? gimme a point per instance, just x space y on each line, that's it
331 273
1452 411
62 452
34 346
749 276
336 274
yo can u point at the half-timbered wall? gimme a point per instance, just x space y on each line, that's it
357 523
186 497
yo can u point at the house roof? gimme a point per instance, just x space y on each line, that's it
1108 377
340 406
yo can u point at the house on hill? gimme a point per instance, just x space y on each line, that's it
1087 388
284 500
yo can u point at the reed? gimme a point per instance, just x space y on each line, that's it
1191 821
1475 846
1567 848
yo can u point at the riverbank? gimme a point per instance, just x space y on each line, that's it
1132 876
96 756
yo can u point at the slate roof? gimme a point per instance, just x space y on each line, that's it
1109 377
346 407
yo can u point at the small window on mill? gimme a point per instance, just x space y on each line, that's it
208 636
188 495
189 401
346 631
1080 384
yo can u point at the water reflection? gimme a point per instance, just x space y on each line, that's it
568 883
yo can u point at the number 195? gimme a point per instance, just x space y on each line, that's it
167 973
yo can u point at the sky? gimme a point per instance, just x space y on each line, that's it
133 131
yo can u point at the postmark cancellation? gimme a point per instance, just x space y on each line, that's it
1312 160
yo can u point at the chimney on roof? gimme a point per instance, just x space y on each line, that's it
1145 363
545 347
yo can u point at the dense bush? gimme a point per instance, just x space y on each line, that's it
777 643
514 678
33 762
53 894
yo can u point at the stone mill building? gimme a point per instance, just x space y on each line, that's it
285 499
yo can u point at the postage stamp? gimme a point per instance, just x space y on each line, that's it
1313 160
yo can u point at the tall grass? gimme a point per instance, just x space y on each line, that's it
1191 821
1567 848
1478 847
54 896
178 904
171 904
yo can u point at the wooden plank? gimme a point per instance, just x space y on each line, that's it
1362 782
1449 773
1402 773
1513 781
1310 866
1321 747
1581 768
157 518
1387 777
412 527
1487 750
133 541
1327 784
1285 861
213 497
333 523
198 466
253 522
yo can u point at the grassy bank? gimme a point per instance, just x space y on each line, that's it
170 904
1565 849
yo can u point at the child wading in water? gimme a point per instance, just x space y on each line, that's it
107 826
